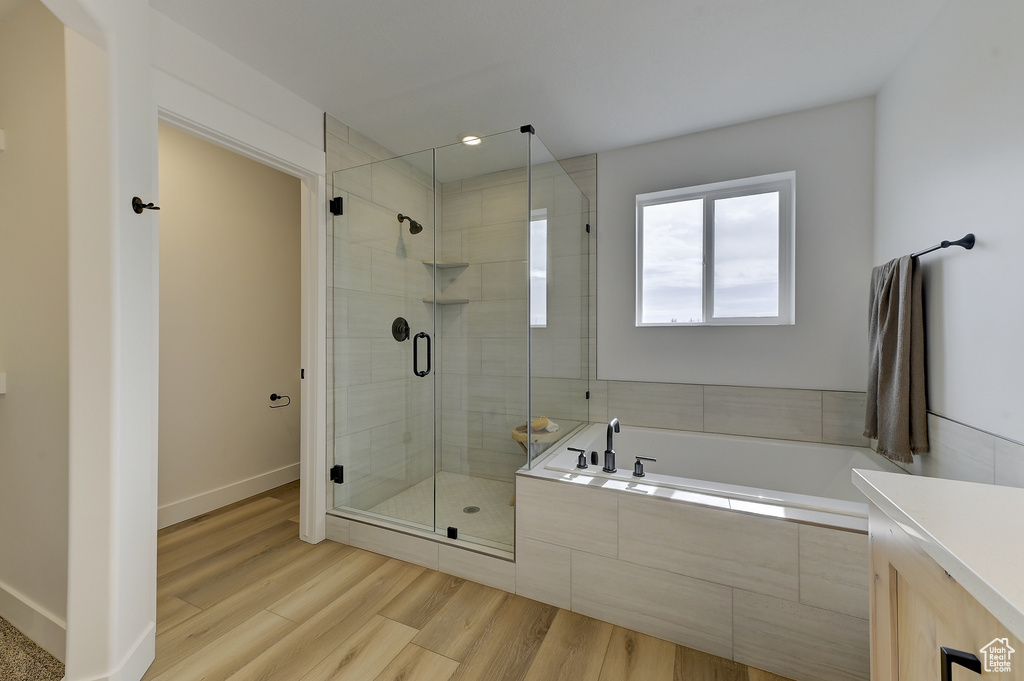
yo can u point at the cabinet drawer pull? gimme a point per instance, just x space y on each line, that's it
950 655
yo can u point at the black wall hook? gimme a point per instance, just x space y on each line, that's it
138 206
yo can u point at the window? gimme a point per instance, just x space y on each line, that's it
717 254
539 269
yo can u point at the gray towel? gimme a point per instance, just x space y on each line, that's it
896 407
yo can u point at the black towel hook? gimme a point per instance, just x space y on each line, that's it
274 397
138 206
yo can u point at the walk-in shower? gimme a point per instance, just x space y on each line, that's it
459 338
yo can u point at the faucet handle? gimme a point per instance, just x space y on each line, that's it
581 460
638 467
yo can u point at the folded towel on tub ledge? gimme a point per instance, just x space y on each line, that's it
896 407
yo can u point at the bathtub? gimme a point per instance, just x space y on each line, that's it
800 481
747 548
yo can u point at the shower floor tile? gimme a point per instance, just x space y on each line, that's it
494 522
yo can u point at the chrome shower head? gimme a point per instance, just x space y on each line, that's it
414 227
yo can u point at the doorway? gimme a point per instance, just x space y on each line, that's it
230 328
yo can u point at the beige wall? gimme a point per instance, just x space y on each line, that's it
33 326
229 326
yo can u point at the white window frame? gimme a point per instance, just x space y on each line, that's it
785 184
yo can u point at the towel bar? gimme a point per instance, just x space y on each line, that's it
967 242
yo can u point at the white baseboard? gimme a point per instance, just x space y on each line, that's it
46 629
133 665
184 509
138 659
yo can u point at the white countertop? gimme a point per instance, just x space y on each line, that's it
975 532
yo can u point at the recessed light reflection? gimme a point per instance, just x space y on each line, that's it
471 140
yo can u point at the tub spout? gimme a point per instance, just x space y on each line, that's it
609 452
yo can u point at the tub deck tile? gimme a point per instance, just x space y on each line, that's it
721 546
804 643
543 572
834 570
681 609
567 515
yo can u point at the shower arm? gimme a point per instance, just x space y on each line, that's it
414 227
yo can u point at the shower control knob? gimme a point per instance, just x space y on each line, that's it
400 329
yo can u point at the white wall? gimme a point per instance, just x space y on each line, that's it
113 303
33 326
112 269
950 157
229 326
202 89
831 150
188 69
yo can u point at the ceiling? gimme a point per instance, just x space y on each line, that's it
589 75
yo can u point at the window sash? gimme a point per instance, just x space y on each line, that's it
784 185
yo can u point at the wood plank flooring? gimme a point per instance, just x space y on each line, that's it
240 597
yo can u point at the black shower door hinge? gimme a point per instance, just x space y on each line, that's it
336 206
338 474
588 228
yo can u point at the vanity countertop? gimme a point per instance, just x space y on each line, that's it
975 532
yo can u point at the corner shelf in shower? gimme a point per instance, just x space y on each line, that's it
445 265
446 301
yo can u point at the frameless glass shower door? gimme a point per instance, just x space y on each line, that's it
484 333
383 344
447 265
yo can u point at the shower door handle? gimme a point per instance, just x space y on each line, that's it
416 354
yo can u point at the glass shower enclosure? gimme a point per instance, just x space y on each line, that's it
458 314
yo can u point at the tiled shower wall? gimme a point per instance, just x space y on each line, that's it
484 343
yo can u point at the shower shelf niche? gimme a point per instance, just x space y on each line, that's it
446 301
445 265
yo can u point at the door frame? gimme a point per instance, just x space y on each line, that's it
202 115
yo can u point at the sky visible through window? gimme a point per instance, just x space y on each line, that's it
747 256
746 275
673 256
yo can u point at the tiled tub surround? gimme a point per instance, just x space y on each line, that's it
794 480
736 572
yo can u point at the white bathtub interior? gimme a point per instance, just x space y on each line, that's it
797 474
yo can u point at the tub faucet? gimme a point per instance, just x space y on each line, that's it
609 452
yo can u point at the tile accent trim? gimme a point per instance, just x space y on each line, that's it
826 416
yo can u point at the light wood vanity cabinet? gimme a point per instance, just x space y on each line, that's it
916 608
